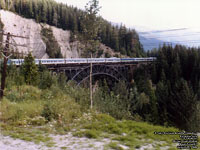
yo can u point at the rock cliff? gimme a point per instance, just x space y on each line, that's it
18 25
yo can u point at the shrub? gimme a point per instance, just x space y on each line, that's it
111 104
46 80
14 112
80 95
59 106
23 93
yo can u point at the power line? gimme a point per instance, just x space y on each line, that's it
5 54
12 35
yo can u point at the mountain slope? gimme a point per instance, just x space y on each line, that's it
118 38
18 25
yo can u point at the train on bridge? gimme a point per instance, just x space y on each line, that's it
54 61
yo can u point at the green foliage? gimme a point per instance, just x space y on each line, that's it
27 134
90 25
176 77
88 133
107 55
52 47
185 100
115 103
115 146
27 105
23 93
46 80
14 77
80 95
30 70
59 106
20 113
126 132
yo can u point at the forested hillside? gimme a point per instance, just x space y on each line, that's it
172 85
119 38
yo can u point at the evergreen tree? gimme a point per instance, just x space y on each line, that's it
30 70
91 25
183 105
162 95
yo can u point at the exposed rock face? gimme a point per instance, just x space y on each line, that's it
24 27
18 25
68 50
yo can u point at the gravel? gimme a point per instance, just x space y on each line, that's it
60 142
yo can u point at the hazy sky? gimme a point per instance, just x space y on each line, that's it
153 14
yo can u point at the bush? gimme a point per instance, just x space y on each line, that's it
20 111
58 106
80 95
23 93
46 80
111 104
28 105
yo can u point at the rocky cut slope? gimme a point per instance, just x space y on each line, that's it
18 25
44 40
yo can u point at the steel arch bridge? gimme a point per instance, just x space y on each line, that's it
81 72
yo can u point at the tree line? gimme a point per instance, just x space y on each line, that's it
175 87
118 37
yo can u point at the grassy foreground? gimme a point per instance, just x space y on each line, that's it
31 114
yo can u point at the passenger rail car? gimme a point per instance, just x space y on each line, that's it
55 61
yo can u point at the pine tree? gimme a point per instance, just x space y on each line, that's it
30 70
91 25
162 95
182 105
55 18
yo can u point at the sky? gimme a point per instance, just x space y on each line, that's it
148 14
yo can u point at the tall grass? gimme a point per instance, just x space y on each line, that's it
25 104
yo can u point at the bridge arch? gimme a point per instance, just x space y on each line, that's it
97 69
94 74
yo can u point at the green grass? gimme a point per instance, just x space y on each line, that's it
129 133
28 134
87 133
115 146
27 105
33 114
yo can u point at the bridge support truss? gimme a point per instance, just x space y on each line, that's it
80 72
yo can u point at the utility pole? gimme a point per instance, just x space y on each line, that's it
91 99
5 53
3 75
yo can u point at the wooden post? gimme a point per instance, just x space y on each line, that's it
5 55
91 99
3 77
